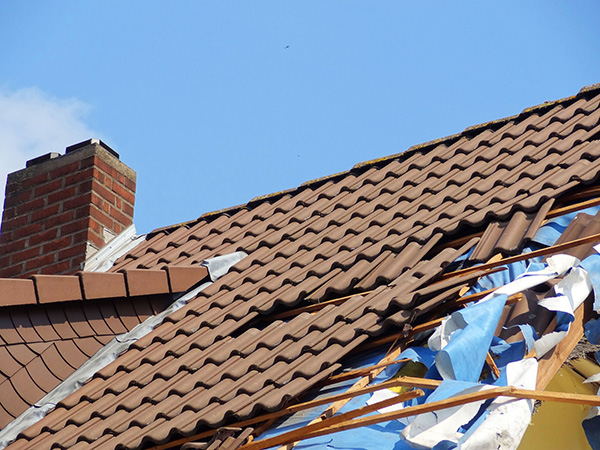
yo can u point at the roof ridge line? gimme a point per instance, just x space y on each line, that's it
466 133
49 289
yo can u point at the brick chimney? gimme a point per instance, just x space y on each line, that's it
61 209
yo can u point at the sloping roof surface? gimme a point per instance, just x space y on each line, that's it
51 324
42 346
380 230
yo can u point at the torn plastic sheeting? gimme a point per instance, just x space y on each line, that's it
592 331
550 231
572 290
477 425
508 419
517 278
383 436
592 265
472 330
591 424
428 429
505 353
216 267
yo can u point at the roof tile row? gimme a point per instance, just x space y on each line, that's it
96 285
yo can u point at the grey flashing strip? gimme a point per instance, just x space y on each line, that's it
217 267
104 258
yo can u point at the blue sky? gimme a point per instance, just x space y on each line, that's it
214 103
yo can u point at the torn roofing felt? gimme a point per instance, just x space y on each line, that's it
382 232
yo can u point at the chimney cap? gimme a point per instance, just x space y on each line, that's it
41 159
80 145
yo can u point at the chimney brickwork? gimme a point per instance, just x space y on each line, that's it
61 209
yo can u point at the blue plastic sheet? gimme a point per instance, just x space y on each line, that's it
592 431
592 331
464 356
384 436
592 266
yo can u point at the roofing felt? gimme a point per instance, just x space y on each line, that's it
381 231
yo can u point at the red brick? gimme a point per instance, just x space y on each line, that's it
100 203
81 236
96 240
84 211
58 220
101 217
64 170
76 201
108 182
9 213
46 236
83 175
124 193
34 204
28 230
41 261
127 209
74 227
101 177
106 168
60 268
11 271
61 195
17 199
6 237
35 181
96 227
43 213
85 187
129 184
103 192
46 188
13 246
74 251
14 223
26 254
57 244
120 217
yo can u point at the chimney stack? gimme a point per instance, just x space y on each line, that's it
61 209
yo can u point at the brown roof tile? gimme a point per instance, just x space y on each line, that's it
53 288
380 231
16 292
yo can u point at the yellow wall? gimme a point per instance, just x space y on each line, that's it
557 426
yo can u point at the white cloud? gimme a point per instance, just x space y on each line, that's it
33 123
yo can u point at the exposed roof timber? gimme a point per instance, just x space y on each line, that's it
553 360
534 254
346 422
